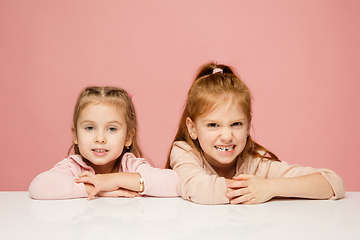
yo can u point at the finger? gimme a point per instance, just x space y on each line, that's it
118 193
243 177
85 180
92 194
237 193
137 194
242 199
127 193
251 201
238 184
86 174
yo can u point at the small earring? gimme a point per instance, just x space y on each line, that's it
127 148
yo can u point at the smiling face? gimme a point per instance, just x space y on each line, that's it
222 135
101 135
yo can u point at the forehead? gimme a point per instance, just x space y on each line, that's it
102 110
227 110
214 102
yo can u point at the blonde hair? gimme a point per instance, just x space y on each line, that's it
111 96
209 90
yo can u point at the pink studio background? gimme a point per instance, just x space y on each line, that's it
299 58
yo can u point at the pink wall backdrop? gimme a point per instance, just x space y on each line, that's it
301 60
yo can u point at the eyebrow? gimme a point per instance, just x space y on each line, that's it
92 122
112 122
237 120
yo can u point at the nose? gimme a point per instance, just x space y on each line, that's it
100 138
226 135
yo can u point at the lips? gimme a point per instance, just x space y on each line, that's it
225 149
99 150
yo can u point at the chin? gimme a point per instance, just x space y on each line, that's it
225 161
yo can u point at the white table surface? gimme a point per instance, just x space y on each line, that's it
174 218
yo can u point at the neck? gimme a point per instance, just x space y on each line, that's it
103 169
227 172
223 170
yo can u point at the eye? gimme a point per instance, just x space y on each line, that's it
90 128
112 129
237 124
212 125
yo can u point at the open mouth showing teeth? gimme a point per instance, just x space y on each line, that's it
100 150
225 149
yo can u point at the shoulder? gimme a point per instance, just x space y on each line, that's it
130 163
73 161
180 148
254 164
182 145
182 152
73 164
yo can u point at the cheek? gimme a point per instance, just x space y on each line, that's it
244 139
241 135
207 138
116 138
83 140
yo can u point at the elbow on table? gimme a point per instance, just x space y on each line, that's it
42 188
204 197
36 191
39 189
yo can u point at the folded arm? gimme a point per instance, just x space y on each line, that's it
250 189
272 178
157 182
57 183
122 184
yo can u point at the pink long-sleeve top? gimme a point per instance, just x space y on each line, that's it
58 182
201 184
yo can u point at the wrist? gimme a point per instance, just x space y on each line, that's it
141 184
275 187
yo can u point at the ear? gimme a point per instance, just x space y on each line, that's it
129 138
248 130
191 128
73 130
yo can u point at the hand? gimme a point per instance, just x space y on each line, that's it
119 193
106 185
249 189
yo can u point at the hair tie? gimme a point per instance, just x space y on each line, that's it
130 95
217 70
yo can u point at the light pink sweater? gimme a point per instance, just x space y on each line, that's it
58 182
201 184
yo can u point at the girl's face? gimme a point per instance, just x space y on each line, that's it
101 135
222 134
